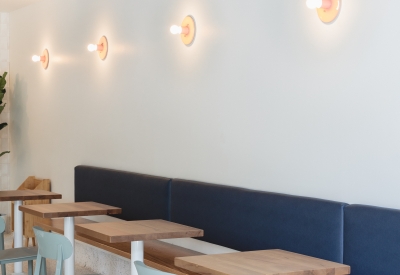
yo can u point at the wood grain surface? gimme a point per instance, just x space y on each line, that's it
31 183
127 231
69 209
22 195
263 262
157 254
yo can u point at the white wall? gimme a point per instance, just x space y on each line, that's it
268 97
5 115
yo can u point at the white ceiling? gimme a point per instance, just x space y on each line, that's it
10 5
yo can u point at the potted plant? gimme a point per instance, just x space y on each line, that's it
3 83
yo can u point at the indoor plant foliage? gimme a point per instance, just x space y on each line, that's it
3 83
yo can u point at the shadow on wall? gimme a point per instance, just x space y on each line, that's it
19 130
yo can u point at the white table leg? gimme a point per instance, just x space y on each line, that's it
69 232
18 222
137 252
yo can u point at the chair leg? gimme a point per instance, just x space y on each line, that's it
30 267
2 241
43 270
3 266
38 266
26 242
59 265
33 241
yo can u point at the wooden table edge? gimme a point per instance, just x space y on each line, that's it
193 267
27 209
35 197
139 238
119 239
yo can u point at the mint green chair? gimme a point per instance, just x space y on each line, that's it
14 255
143 269
51 246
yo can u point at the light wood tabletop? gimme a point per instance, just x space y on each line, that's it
128 231
23 195
74 209
263 262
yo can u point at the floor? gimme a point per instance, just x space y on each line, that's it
79 270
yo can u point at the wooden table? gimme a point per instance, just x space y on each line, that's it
68 211
263 262
18 196
136 232
157 254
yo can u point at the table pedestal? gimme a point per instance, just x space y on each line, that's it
137 254
18 223
69 233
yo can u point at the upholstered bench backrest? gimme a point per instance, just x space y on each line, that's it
372 240
245 220
141 197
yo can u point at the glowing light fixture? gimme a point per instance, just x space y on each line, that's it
328 10
101 48
44 59
187 30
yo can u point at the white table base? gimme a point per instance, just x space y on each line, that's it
137 254
69 232
18 233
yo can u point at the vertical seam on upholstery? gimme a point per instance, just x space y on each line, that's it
169 199
75 182
343 219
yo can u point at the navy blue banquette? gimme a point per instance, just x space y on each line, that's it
364 237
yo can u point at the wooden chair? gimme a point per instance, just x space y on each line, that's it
31 183
143 269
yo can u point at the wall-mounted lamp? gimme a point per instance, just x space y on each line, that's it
187 30
44 59
328 10
101 47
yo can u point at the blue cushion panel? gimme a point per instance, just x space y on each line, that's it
372 240
245 220
140 196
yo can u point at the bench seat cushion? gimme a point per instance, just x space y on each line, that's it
140 196
246 220
372 240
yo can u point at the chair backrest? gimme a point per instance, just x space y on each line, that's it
51 245
143 269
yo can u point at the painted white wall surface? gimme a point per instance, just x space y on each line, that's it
10 5
5 115
268 97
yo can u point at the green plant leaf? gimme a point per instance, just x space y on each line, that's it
5 152
2 96
2 108
2 125
3 81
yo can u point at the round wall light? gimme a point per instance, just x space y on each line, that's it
187 30
328 10
44 59
101 47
